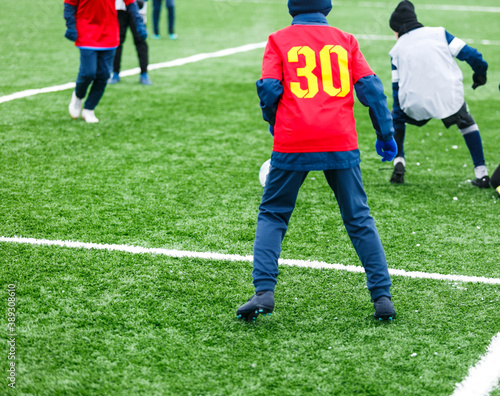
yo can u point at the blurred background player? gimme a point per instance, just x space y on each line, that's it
125 21
427 83
93 25
170 18
311 70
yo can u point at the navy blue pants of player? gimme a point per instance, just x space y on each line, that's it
125 20
278 202
170 18
95 68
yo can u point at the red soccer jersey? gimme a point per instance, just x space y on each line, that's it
318 66
97 23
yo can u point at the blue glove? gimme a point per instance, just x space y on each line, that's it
271 129
133 10
71 34
387 150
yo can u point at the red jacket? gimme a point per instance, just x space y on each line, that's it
97 23
318 66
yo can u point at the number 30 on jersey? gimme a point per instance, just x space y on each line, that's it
326 71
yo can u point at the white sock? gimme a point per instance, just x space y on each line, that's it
397 160
480 171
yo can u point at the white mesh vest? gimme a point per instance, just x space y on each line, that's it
430 81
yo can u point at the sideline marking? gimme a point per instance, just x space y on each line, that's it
32 92
237 257
200 57
131 72
484 376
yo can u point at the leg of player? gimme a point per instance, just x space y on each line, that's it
156 18
470 131
86 75
123 20
171 19
142 49
104 64
475 146
398 174
278 202
347 186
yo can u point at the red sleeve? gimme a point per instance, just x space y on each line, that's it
272 66
71 2
360 67
127 2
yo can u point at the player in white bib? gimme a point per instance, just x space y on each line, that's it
427 84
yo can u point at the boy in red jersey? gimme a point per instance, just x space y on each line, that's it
309 73
93 25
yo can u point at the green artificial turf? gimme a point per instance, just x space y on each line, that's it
175 165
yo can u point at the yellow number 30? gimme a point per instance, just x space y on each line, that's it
326 71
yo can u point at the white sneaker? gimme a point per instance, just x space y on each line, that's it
89 116
75 106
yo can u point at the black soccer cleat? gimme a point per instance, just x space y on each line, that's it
398 175
261 303
484 182
384 310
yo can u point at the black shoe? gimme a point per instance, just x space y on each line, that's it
398 176
484 182
384 310
261 303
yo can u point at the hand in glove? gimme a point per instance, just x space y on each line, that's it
387 150
69 16
479 79
71 34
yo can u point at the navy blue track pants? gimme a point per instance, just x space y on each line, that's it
156 15
278 202
95 68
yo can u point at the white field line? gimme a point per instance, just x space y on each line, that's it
175 62
484 376
32 92
198 58
389 6
236 257
481 379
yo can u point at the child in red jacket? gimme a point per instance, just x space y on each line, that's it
93 26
